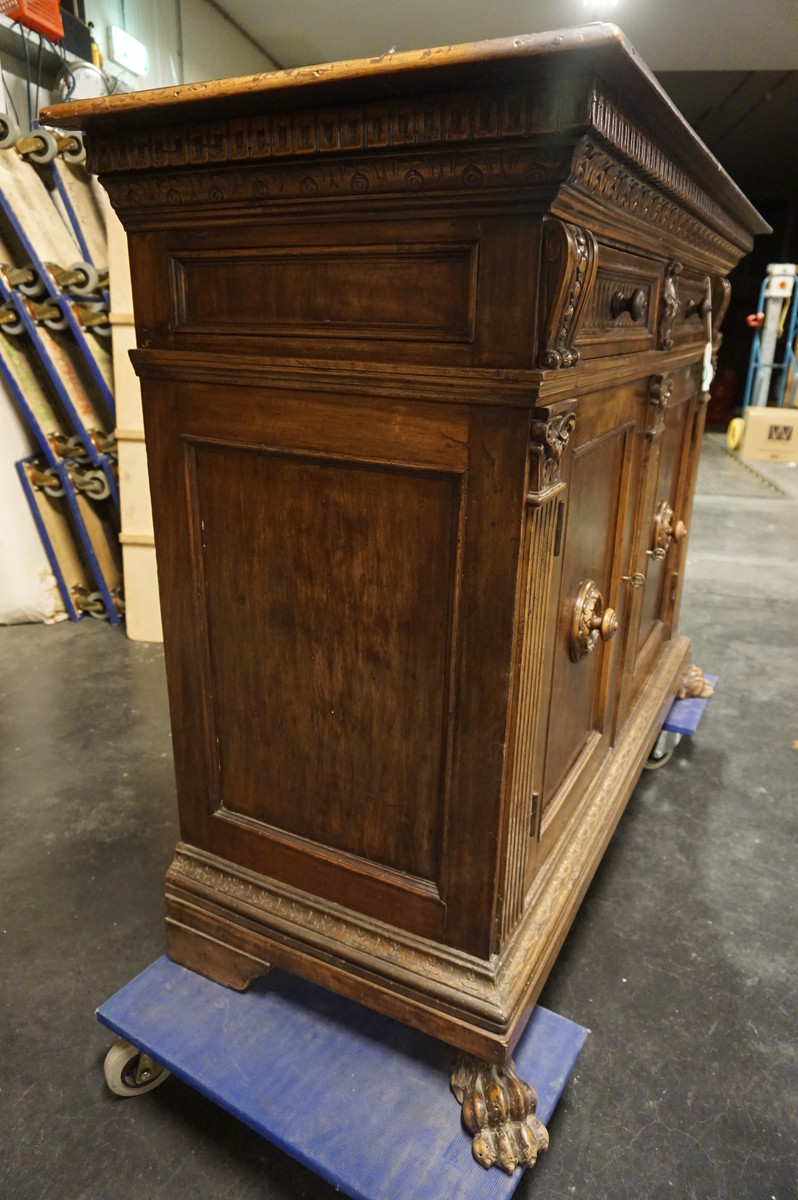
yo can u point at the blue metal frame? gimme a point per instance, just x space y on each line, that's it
79 527
63 302
755 363
93 562
73 613
38 348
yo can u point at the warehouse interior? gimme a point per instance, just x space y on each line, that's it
680 961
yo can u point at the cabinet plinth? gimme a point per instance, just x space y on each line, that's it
420 343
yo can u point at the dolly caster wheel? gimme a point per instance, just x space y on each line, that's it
131 1072
662 751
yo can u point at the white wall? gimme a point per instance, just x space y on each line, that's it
212 48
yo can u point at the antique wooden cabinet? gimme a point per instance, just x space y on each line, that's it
421 342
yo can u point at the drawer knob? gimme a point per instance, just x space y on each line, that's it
591 622
698 308
635 304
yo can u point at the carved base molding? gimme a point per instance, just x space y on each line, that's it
499 1110
479 1005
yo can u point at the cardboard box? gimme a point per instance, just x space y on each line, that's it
770 433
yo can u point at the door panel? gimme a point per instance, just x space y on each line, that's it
602 473
664 503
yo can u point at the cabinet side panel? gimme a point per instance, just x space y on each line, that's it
328 591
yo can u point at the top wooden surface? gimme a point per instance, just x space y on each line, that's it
599 49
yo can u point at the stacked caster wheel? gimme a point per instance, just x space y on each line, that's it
56 362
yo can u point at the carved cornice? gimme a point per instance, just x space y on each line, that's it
647 155
498 114
597 173
432 144
569 263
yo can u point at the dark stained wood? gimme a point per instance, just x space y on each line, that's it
420 341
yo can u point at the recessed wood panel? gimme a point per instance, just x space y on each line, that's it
423 291
328 591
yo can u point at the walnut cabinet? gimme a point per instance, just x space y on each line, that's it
421 342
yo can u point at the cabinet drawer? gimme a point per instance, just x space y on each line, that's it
425 291
621 311
690 323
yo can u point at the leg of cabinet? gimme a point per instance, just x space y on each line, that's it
499 1111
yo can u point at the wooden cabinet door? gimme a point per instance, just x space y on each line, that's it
602 472
670 457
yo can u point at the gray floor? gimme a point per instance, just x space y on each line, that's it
682 961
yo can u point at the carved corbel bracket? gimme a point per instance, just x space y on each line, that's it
721 295
671 304
499 1113
659 394
569 264
549 435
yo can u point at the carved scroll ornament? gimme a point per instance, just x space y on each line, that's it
721 295
671 304
570 260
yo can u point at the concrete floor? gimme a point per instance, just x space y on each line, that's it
682 960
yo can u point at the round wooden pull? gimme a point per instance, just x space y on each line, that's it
591 621
698 308
666 530
635 304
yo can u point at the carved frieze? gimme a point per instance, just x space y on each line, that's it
569 264
599 174
281 182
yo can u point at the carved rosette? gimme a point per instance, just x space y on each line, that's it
499 1111
570 261
548 440
671 304
659 394
592 621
